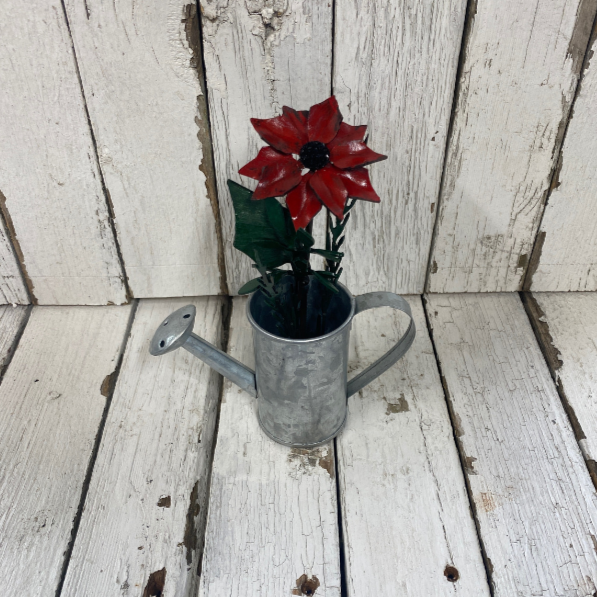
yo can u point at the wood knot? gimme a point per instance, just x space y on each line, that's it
155 584
165 501
451 574
306 585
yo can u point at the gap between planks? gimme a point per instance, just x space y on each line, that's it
471 6
564 253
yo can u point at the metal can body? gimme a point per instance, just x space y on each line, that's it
302 384
301 387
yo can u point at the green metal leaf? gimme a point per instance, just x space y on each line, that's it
305 238
326 283
327 275
281 221
331 255
250 286
260 226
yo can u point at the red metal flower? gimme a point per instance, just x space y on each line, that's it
333 152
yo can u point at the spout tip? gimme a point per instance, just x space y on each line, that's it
173 331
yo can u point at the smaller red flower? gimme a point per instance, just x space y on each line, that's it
334 152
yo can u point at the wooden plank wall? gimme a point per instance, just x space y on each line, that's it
118 141
566 249
149 116
50 180
519 74
259 56
379 80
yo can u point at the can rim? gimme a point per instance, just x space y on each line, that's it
335 331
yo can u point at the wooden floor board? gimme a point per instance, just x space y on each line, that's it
566 324
273 524
142 528
407 523
51 404
535 504
272 527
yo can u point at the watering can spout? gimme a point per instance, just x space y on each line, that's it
177 331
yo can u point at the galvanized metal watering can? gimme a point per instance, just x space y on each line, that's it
301 386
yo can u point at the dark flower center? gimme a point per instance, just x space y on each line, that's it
314 155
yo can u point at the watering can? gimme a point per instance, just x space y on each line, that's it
301 386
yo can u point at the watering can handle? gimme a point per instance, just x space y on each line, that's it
372 300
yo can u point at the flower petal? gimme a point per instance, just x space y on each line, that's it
279 132
358 185
347 133
303 203
266 157
324 120
277 179
353 154
299 121
330 189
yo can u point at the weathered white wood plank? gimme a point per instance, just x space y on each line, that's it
521 65
141 68
566 325
52 399
272 523
12 286
259 56
407 523
379 80
145 510
12 321
49 177
535 504
566 252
